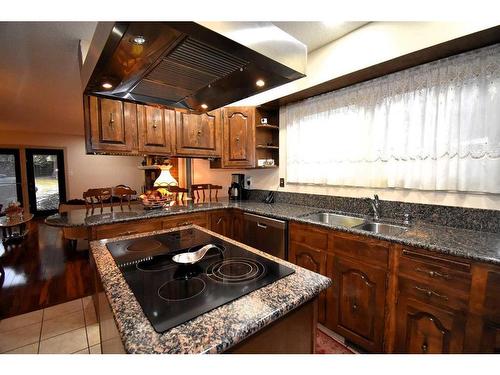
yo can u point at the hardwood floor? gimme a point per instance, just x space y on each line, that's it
41 272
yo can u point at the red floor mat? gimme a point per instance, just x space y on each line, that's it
326 345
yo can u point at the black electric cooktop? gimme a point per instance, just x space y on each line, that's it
171 294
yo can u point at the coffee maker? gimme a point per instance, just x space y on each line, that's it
236 190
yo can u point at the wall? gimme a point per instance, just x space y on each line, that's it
82 171
371 44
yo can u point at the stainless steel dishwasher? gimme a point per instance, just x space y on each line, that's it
266 234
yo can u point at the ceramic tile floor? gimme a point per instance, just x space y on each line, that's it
70 327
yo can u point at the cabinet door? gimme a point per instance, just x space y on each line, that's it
111 125
313 260
239 137
356 303
198 135
221 222
483 321
424 328
238 226
154 126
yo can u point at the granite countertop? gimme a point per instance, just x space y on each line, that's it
469 244
214 331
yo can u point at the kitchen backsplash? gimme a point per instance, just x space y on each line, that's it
457 217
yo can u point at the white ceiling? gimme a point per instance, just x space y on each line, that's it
40 76
317 34
40 73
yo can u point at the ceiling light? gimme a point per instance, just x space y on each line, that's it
107 85
260 82
139 40
204 106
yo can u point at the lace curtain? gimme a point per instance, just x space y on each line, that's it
432 127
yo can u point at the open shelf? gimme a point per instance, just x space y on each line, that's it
268 126
268 167
268 147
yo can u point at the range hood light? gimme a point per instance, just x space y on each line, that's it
139 40
260 83
107 85
204 106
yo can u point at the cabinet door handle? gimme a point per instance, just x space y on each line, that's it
154 124
433 273
430 293
218 221
424 347
237 139
111 119
263 226
199 132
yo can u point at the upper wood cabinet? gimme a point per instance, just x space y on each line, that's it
155 129
238 137
110 125
198 135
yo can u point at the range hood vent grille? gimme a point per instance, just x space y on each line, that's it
189 67
200 56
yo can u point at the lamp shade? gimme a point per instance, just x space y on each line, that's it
165 179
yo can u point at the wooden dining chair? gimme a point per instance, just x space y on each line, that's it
178 192
122 192
97 197
195 191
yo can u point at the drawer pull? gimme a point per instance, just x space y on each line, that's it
185 223
263 226
430 293
433 273
127 233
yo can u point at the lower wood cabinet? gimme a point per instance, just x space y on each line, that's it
200 219
424 328
391 298
221 222
307 247
356 303
123 229
238 226
313 260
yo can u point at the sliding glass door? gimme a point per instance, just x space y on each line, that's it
10 177
46 180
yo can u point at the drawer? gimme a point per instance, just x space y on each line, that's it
433 269
114 230
433 294
309 235
361 248
182 220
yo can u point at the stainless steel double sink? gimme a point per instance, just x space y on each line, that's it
355 222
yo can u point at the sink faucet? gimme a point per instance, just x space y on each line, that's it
376 207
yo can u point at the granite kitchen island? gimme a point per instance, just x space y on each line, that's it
278 318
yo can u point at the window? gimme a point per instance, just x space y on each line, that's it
432 127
